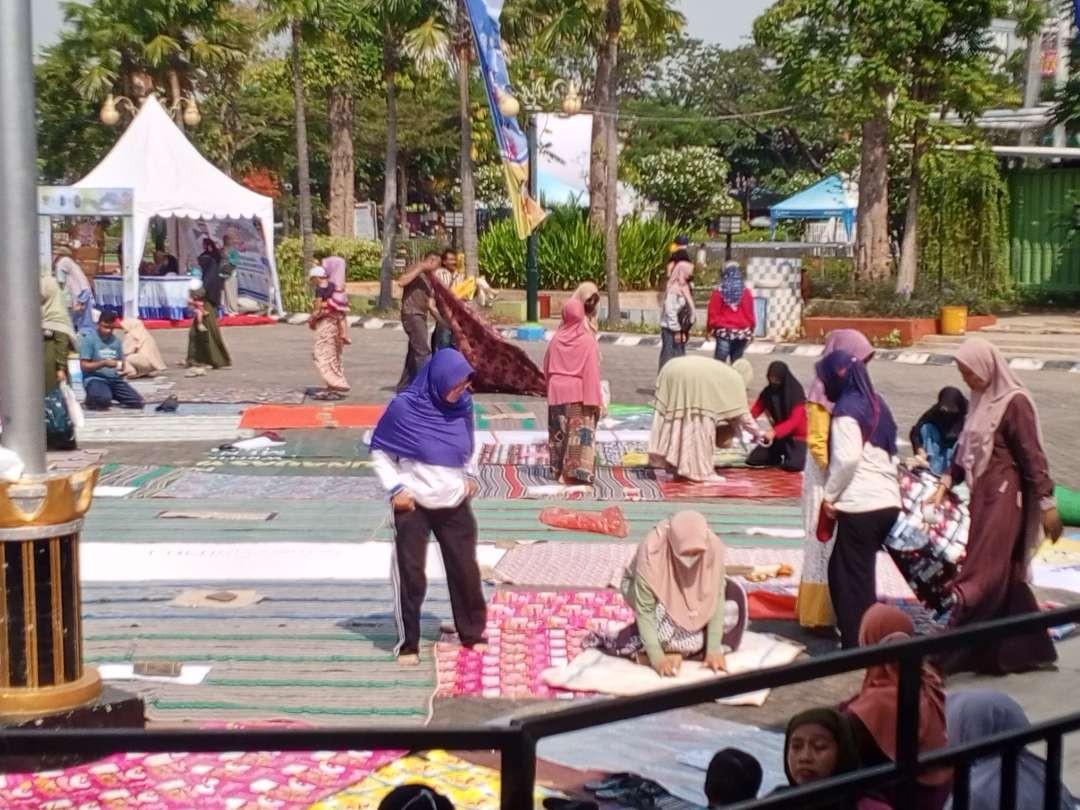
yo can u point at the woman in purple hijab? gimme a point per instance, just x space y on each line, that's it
862 492
422 449
814 606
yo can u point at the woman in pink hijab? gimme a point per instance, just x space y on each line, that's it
814 606
1000 457
572 369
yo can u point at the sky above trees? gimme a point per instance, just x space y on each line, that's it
723 22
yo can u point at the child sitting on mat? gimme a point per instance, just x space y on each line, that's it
676 587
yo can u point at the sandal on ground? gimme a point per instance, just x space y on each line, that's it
408 660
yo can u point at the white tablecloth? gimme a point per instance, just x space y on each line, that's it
160 298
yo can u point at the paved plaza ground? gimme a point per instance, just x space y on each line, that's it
279 358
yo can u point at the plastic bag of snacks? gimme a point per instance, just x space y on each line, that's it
927 544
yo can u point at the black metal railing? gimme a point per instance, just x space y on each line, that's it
517 742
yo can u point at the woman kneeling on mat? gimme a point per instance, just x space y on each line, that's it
784 401
676 587
421 449
935 435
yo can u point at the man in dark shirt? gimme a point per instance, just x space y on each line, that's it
416 303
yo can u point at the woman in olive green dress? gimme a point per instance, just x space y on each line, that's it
57 332
205 344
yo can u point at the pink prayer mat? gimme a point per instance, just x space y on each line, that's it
225 781
528 631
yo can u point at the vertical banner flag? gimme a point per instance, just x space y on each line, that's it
513 145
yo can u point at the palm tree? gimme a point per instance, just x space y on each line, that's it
602 27
394 20
293 16
445 38
164 42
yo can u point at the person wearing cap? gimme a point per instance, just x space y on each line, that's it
206 347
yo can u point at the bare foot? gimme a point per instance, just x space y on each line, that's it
408 660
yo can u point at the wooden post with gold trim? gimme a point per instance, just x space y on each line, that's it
41 665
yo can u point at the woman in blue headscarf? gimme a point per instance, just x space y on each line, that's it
862 493
422 449
974 715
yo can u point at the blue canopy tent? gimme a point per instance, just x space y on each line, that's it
827 199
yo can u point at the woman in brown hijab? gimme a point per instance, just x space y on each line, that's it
873 711
1000 456
676 587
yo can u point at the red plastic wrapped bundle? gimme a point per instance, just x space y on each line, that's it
610 522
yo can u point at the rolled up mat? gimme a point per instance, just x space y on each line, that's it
1068 501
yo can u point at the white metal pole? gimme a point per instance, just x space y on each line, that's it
22 385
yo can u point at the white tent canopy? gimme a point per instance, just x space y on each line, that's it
169 178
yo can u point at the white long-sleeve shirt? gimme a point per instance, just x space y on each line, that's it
862 477
431 486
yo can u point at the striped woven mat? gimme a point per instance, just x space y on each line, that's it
509 482
506 481
321 652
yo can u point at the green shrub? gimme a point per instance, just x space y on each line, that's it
879 299
361 258
570 252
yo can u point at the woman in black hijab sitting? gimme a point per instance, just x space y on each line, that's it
935 434
784 401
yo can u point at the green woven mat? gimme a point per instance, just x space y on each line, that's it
321 652
135 521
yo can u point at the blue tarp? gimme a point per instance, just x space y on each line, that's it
826 199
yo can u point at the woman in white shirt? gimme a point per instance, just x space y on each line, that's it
862 492
422 449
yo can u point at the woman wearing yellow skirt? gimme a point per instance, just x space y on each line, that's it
814 606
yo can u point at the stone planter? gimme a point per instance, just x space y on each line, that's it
878 330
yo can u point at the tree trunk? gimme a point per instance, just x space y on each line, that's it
872 238
176 99
468 185
303 168
403 196
1032 82
909 248
611 161
386 268
598 151
342 162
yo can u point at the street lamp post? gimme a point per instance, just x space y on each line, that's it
22 387
728 224
110 109
537 95
532 263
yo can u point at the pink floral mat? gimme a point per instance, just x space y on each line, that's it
226 781
528 631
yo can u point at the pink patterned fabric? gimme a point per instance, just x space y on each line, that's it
227 781
528 631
